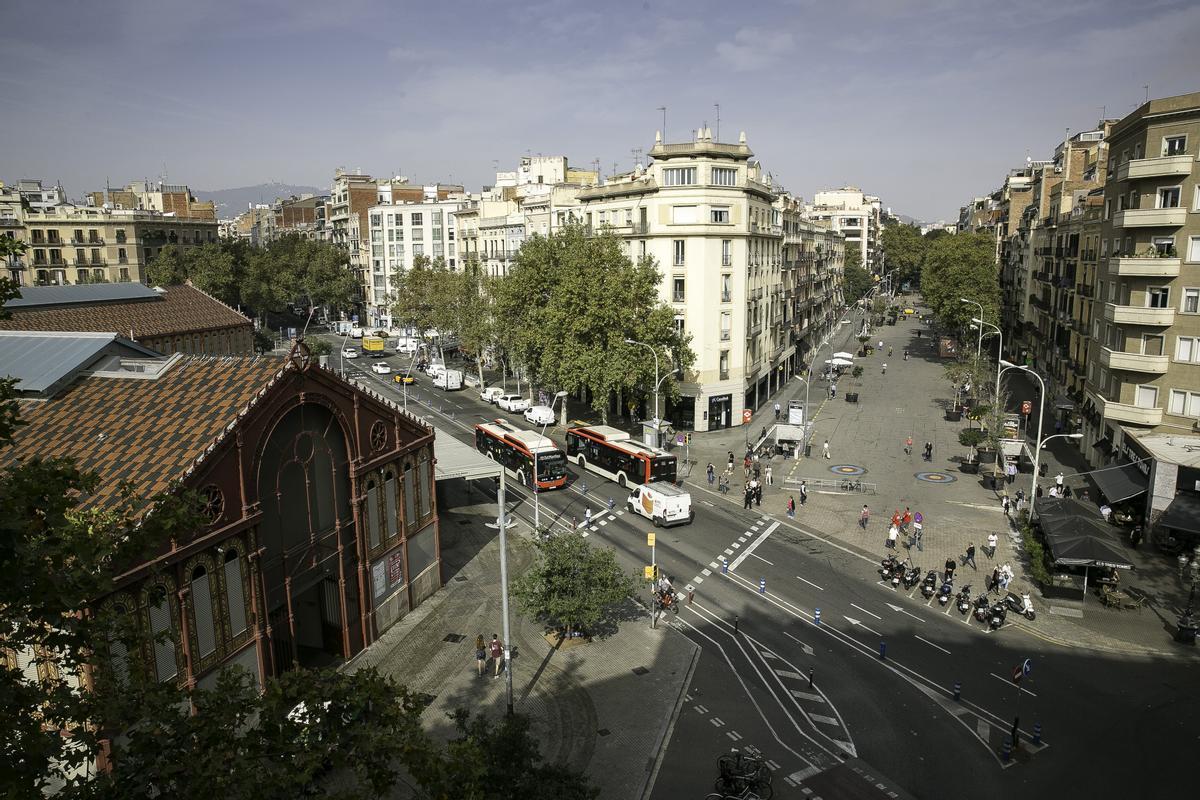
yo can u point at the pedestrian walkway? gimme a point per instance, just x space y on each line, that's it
599 706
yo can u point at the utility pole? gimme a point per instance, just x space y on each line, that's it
663 109
718 134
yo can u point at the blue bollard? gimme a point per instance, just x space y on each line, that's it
585 487
762 585
957 690
882 650
817 616
611 503
724 565
1006 750
1037 733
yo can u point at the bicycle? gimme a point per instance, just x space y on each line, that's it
743 776
852 486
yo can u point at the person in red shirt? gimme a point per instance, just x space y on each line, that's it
496 648
896 518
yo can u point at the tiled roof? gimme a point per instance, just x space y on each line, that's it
148 432
177 310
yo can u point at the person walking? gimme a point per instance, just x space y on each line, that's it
803 492
777 409
918 531
791 507
990 548
480 655
730 461
993 583
496 647
969 558
825 448
885 368
757 493
747 497
950 565
1010 471
723 486
906 520
712 473
767 474
1058 481
864 517
893 533
908 446
929 451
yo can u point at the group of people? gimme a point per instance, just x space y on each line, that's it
495 648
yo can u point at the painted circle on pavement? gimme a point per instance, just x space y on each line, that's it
848 470
935 477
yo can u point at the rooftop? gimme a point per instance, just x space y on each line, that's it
1169 447
45 296
43 361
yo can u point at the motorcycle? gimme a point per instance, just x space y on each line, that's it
964 599
898 573
1021 605
982 606
929 585
946 592
888 566
997 615
912 577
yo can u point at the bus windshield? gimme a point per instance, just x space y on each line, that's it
551 466
662 468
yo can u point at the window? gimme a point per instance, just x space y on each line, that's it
726 287
120 236
399 219
1157 296
724 176
1191 301
677 287
1163 245
723 365
680 324
685 215
202 609
410 500
1168 197
679 176
416 220
424 495
418 249
679 252
376 220
1185 404
390 504
372 514
1152 344
1146 397
1196 198
720 215
1174 145
235 593
1193 253
165 666
726 252
1187 348
726 325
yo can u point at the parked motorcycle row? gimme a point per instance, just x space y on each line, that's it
992 614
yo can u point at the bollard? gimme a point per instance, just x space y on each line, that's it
882 650
957 690
1006 750
1037 733
735 625
585 487
611 503
724 565
810 677
762 585
691 595
817 616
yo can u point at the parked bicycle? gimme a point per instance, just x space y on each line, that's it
743 776
852 486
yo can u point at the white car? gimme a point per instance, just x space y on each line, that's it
539 415
491 394
512 402
356 332
380 368
349 352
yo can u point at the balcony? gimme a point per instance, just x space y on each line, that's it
1150 217
1155 167
1144 267
1138 315
1123 412
1134 362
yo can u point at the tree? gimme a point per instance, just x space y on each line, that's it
852 255
961 266
903 250
856 282
470 314
573 584
167 268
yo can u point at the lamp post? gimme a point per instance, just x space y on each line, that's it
1041 410
502 523
978 344
537 506
654 352
1000 354
1037 454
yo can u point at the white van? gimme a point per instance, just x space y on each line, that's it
449 380
664 503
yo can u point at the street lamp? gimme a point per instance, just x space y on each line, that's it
654 351
978 344
537 506
1037 454
1000 354
1041 411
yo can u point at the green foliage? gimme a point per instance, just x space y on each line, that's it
856 372
318 347
572 585
856 281
1035 551
167 268
853 255
470 310
970 438
961 266
904 249
567 307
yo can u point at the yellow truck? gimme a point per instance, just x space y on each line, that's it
373 345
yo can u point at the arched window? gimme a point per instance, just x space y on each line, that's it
165 666
372 514
235 595
202 612
390 502
117 651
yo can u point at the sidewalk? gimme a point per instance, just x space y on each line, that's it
599 707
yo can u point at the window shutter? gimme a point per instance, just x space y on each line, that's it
202 608
234 595
164 648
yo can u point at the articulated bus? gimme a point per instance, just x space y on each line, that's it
515 450
612 453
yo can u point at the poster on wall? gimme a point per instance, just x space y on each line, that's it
379 578
395 569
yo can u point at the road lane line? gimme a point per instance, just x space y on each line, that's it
931 644
803 774
760 558
1006 680
706 572
810 583
815 698
824 719
856 624
762 537
860 608
785 673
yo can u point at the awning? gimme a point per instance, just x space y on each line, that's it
457 460
1183 514
1083 544
1120 483
1105 445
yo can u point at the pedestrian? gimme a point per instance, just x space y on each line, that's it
757 472
803 492
929 451
763 433
758 495
587 517
950 569
1058 481
497 649
993 583
992 540
777 412
881 345
826 448
906 354
711 472
969 558
908 446
731 461
889 351
1039 492
770 479
864 517
832 390
896 518
791 507
723 486
1006 575
747 497
893 532
1066 490
1020 505
885 368
480 655
1005 505
1010 471
906 520
918 531
1020 495
1083 495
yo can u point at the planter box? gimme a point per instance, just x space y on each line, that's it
954 416
971 467
851 397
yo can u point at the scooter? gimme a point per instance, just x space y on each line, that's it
982 606
898 573
964 599
929 585
946 592
887 566
1021 605
912 577
997 615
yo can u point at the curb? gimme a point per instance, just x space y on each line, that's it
669 728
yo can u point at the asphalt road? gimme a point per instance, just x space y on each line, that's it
1109 724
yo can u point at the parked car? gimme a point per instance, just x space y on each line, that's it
380 368
512 402
356 332
349 352
471 379
491 394
405 377
539 415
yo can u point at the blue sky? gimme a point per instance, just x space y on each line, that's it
925 103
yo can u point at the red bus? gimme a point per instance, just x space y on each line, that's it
517 450
611 452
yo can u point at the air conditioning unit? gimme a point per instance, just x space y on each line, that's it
1058 170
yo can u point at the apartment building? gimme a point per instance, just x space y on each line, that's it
401 233
858 216
1145 377
39 197
711 218
162 197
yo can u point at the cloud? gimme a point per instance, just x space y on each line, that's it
755 48
404 54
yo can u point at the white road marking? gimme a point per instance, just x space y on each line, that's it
824 719
815 698
735 545
714 565
982 729
717 722
803 774
808 651
728 551
701 709
696 579
760 558
859 624
784 673
810 583
761 538
902 611
706 572
931 644
1005 680
734 735
860 608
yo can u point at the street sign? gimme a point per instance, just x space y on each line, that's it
1021 670
747 414
1027 667
1017 673
679 438
648 572
1026 407
649 540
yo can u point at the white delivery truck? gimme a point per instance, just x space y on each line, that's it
664 503
448 380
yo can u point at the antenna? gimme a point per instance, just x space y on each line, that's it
718 107
664 130
1146 86
637 157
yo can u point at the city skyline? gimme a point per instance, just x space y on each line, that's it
922 104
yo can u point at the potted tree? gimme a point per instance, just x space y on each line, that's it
970 438
865 349
856 373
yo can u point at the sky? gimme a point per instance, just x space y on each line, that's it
924 103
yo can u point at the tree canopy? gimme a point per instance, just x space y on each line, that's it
959 266
903 250
572 585
856 281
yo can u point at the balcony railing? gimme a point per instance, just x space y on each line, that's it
677 297
1154 167
1150 217
1134 362
1147 267
1139 315
1124 412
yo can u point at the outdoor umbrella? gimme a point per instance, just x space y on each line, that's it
842 362
843 355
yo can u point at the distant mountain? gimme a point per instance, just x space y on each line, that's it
231 202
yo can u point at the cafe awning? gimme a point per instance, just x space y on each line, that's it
1121 482
1183 514
1083 544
